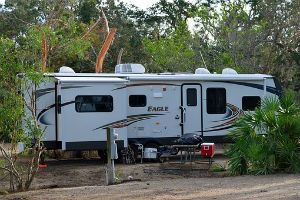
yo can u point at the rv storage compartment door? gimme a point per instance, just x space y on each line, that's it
191 109
89 105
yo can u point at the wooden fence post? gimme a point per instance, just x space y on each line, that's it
110 168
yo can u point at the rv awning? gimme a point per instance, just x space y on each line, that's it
90 79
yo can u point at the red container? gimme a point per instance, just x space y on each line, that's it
208 149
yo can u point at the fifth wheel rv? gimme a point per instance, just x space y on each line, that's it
149 109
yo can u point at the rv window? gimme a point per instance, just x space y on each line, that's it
250 102
94 103
137 101
216 100
191 97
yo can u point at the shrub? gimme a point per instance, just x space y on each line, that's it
267 140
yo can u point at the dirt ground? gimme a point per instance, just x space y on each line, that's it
283 186
85 179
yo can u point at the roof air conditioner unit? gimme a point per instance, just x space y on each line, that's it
229 71
129 69
65 69
201 71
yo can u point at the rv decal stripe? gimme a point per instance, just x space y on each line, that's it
270 89
128 121
67 103
52 106
220 129
44 121
71 87
226 123
144 115
42 92
45 110
236 113
229 113
120 123
233 112
144 84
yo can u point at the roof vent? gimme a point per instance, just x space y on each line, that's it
229 71
201 71
129 69
65 69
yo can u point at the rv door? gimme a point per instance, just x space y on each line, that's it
191 109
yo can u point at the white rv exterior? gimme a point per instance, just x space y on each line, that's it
151 109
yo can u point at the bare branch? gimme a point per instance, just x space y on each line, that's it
104 50
106 22
120 56
44 53
90 29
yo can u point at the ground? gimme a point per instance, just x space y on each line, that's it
85 179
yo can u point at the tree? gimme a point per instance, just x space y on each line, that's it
257 36
55 21
166 15
47 44
173 52
16 107
129 22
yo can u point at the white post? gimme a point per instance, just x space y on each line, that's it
125 139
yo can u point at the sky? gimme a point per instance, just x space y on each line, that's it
140 3
143 4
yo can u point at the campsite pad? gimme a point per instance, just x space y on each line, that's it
84 179
88 172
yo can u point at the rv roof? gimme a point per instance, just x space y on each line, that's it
90 79
110 77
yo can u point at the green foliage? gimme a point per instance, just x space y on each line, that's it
170 14
17 109
22 55
10 106
267 140
117 176
173 52
218 168
5 192
45 20
249 36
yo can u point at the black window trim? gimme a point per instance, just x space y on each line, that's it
244 109
111 110
187 97
225 105
135 106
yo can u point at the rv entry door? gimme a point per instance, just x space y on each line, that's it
191 109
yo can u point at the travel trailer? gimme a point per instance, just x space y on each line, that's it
149 109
